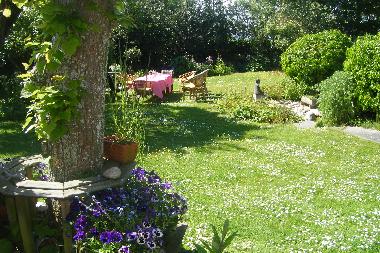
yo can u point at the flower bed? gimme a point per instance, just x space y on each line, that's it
132 218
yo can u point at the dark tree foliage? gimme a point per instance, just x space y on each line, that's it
355 17
165 29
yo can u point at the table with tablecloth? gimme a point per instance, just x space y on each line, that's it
159 83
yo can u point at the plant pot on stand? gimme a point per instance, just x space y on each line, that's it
119 152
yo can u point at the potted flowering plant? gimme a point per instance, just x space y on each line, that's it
133 218
128 128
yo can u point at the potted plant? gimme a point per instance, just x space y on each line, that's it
128 126
134 217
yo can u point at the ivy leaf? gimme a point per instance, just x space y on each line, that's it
52 66
70 45
26 65
28 120
25 76
31 44
7 12
19 3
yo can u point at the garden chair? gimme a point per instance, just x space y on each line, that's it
196 85
167 71
142 87
184 77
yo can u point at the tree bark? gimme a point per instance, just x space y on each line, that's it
80 152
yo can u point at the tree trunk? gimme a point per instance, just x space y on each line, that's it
79 152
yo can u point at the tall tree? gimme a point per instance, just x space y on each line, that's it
81 149
80 56
355 17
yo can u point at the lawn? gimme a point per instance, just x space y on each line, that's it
283 189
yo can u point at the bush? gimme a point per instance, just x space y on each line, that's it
220 68
262 111
336 100
287 88
363 62
314 57
183 64
293 90
12 106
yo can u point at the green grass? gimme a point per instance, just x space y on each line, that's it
14 143
282 188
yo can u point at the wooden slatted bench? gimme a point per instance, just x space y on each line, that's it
20 194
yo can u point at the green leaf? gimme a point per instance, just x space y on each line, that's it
19 3
52 66
216 236
199 249
225 229
206 245
26 65
7 12
70 45
229 239
25 76
57 132
28 120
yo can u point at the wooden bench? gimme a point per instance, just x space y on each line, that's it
21 191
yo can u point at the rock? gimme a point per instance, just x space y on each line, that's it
310 116
41 206
109 164
316 112
311 102
112 173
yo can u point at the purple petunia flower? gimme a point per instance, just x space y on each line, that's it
116 236
124 249
44 178
105 237
110 236
93 231
166 185
131 236
80 235
80 223
139 173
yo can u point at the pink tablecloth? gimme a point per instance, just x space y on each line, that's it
160 83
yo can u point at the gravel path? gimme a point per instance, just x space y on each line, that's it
367 134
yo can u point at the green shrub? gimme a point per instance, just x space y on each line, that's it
293 90
336 99
220 68
183 64
314 57
363 62
240 108
287 88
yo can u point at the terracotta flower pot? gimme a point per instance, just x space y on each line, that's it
124 153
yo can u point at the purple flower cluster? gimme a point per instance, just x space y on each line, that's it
41 170
128 219
111 236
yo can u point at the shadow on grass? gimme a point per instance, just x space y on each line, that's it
178 127
13 142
